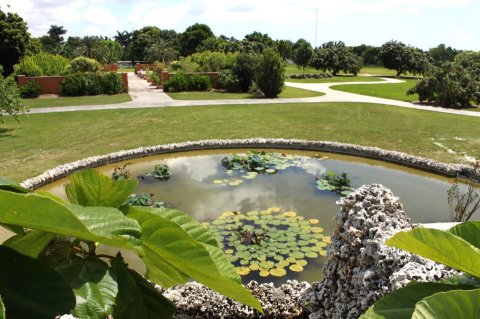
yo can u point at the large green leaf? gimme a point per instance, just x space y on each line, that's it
456 304
137 298
469 231
31 244
12 186
2 309
440 246
99 224
161 271
400 304
90 188
30 289
169 241
94 285
198 233
463 279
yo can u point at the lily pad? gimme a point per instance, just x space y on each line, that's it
296 268
278 272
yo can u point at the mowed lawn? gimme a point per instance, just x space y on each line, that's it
77 100
288 92
393 91
43 141
337 79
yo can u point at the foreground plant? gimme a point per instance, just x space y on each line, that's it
455 297
51 266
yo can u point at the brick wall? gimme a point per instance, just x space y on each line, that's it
51 84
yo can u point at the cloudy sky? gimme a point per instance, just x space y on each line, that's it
422 23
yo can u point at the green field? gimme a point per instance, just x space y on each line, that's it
39 142
288 92
393 91
77 100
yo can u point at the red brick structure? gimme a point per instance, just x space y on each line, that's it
51 84
110 68
142 66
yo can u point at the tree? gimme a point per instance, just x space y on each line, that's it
302 53
467 59
142 38
52 42
448 85
441 53
402 58
257 37
193 37
91 47
160 50
10 100
370 54
284 48
113 51
124 38
336 57
14 40
244 70
270 73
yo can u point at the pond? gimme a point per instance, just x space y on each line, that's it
275 223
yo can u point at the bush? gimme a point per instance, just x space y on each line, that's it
198 82
10 101
270 73
84 64
176 83
449 85
244 70
80 84
228 81
31 89
42 64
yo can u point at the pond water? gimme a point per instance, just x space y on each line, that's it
200 186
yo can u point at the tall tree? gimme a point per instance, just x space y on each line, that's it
52 42
402 58
260 38
285 48
193 37
91 47
442 53
336 57
302 53
14 40
160 50
124 38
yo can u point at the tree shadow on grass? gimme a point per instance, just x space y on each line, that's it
6 132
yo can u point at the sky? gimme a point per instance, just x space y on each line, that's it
421 23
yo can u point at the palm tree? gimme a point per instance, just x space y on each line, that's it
91 47
123 38
160 50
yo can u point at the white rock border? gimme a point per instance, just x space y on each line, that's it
294 144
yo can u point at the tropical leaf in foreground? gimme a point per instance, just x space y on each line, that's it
23 282
458 304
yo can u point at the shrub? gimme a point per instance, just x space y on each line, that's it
84 64
270 73
176 83
42 64
31 89
228 81
10 101
198 82
112 83
80 84
449 85
244 70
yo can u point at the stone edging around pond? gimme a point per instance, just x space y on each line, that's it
320 146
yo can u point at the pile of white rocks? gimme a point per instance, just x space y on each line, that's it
360 267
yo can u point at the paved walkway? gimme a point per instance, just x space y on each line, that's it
146 96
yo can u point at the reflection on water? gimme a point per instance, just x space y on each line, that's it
191 190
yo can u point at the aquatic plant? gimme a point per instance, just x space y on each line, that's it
161 172
259 162
120 172
143 199
338 183
269 241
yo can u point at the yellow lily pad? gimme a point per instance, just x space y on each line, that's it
254 267
313 221
229 251
243 271
302 262
278 272
317 230
264 273
290 214
273 209
296 268
327 239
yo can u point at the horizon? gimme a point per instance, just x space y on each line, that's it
287 20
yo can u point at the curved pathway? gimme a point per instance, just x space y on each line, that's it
146 96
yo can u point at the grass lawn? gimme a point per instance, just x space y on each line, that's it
394 91
380 70
42 141
77 100
289 92
337 79
292 69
